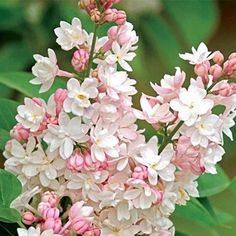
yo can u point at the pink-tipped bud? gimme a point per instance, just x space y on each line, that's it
158 194
202 69
88 4
50 197
109 15
108 3
50 213
28 218
80 225
232 55
76 161
59 97
95 15
120 18
230 66
20 133
216 71
224 90
93 231
218 57
43 206
54 224
140 172
80 60
74 210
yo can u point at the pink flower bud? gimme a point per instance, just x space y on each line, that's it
50 197
218 57
43 206
50 213
216 71
59 97
88 4
108 3
140 172
230 66
54 224
120 18
80 60
28 218
95 15
80 225
73 213
20 133
225 90
202 69
76 162
159 195
232 55
109 15
93 231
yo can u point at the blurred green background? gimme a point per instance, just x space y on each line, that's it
166 28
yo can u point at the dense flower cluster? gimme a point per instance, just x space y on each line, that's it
81 157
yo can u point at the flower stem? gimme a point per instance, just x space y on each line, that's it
92 50
21 224
169 137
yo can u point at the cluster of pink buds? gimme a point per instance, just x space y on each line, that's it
101 11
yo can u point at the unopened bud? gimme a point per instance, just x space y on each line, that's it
28 218
218 57
80 59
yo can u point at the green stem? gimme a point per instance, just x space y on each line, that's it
92 50
21 224
169 137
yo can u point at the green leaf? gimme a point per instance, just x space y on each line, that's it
8 113
20 82
10 17
209 184
194 211
233 186
177 233
15 56
4 137
196 20
162 39
9 215
10 188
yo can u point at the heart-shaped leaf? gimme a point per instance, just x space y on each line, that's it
9 215
10 188
209 185
7 118
20 82
4 137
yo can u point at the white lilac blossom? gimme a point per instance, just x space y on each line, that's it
191 103
66 134
32 114
84 148
45 70
158 165
121 55
79 95
198 56
35 232
70 35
